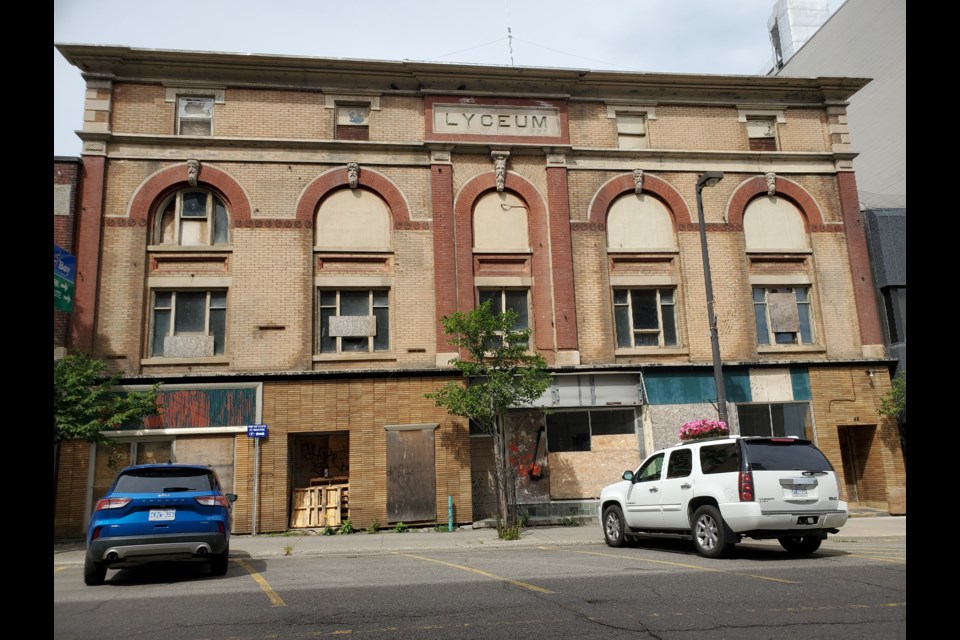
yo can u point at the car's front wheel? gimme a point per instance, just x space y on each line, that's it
613 526
710 533
218 566
93 573
800 545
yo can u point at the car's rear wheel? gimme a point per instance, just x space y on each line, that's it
614 528
710 533
800 545
93 573
218 566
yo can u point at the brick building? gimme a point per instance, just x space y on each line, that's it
276 239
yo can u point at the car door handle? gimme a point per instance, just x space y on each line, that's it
654 489
685 485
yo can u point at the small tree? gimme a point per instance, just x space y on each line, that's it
501 373
84 403
894 404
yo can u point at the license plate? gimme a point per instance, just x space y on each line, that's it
162 515
799 492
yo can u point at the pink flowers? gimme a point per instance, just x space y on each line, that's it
703 429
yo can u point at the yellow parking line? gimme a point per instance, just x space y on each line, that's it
524 585
274 598
673 564
883 558
59 569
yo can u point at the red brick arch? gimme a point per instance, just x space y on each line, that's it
338 179
539 244
656 187
164 182
757 187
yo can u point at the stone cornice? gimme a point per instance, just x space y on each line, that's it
312 73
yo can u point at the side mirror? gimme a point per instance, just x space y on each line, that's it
627 475
232 497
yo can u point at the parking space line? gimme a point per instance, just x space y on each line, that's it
523 585
59 569
260 580
673 564
881 558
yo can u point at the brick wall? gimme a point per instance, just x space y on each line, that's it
361 407
71 498
65 177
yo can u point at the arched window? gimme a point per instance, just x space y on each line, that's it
500 223
639 223
353 219
192 218
772 224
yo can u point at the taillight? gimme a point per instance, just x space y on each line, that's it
213 501
746 486
111 503
96 533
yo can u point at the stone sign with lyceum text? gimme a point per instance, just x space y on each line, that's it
496 120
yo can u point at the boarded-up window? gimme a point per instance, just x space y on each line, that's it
762 133
216 452
353 122
411 473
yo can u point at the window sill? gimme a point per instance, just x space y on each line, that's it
178 361
175 248
653 351
791 348
355 357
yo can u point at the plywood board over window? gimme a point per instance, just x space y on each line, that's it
411 473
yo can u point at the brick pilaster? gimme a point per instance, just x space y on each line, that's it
562 255
87 242
863 287
444 270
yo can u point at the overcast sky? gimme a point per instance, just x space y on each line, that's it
682 36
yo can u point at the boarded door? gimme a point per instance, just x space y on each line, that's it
411 473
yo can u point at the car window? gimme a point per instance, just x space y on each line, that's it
720 458
650 469
783 454
165 481
680 464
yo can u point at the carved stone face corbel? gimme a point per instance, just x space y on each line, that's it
353 174
500 166
193 171
771 179
638 181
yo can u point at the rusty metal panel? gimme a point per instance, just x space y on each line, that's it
411 476
784 317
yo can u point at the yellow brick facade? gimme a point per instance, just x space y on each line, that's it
274 156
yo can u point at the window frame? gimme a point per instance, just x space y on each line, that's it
895 312
805 316
497 309
355 128
219 346
215 225
745 421
181 100
601 429
659 307
770 141
372 306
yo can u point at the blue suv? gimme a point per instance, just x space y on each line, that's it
160 512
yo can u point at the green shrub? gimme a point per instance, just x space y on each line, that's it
571 521
374 526
346 527
400 528
327 531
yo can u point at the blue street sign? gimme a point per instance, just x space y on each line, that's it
256 431
64 276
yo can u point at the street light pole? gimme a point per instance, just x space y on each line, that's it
708 179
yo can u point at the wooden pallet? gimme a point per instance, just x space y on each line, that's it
318 506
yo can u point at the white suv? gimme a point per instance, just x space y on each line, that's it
720 490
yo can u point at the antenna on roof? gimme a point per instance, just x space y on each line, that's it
510 43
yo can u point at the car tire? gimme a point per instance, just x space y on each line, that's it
93 573
218 566
800 545
710 533
614 527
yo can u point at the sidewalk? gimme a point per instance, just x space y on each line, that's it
312 543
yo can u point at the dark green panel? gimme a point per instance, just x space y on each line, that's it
800 379
695 387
